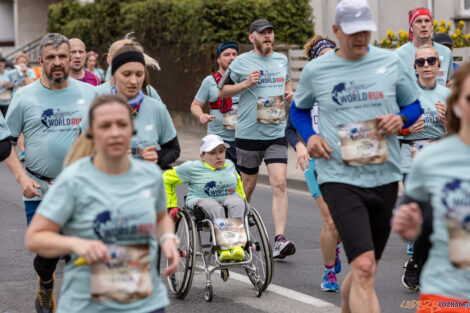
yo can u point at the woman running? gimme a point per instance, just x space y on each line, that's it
5 143
91 65
439 180
111 209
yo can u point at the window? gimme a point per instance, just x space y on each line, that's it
7 27
465 7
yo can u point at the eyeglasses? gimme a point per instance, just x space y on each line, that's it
420 62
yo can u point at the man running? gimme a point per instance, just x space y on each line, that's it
48 112
221 124
5 142
364 97
420 23
77 65
261 79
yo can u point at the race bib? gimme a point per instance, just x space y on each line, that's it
229 233
5 95
230 117
361 143
417 146
126 278
270 110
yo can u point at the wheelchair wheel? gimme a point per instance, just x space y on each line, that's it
261 250
180 282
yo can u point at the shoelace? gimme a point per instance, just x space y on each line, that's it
46 298
331 278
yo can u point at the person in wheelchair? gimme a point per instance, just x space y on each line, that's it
214 186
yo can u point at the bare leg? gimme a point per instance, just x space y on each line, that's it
20 143
329 235
345 290
362 296
277 180
249 184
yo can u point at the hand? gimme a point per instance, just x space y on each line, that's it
253 78
318 148
390 123
407 220
4 83
205 118
441 111
29 187
289 95
23 68
93 251
150 154
171 253
302 156
418 126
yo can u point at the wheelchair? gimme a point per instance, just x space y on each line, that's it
192 228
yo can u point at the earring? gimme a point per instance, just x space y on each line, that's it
89 136
457 111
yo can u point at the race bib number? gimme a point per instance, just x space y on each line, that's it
126 278
417 146
229 232
230 118
361 143
5 95
270 110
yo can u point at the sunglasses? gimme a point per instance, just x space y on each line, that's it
420 62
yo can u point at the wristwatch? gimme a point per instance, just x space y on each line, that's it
404 119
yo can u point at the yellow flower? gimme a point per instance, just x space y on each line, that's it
388 41
442 29
389 32
448 25
401 33
442 23
398 45
461 24
458 32
434 23
454 36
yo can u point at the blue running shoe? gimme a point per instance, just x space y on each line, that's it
22 157
410 248
337 262
329 282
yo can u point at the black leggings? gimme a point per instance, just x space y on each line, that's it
45 267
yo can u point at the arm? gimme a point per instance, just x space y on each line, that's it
299 147
171 180
27 184
169 153
228 90
240 189
289 91
291 134
393 123
165 225
196 109
302 121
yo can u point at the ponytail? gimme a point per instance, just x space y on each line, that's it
82 147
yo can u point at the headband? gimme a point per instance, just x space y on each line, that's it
319 46
126 57
92 53
414 14
226 45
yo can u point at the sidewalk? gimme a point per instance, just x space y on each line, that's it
189 140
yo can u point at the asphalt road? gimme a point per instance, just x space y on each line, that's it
295 286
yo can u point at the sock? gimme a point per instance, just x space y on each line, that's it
280 238
330 268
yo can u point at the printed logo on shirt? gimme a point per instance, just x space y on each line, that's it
149 127
456 195
212 189
349 92
56 118
81 101
111 226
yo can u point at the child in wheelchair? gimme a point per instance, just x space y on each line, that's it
214 185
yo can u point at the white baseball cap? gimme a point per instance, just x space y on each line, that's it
210 142
354 16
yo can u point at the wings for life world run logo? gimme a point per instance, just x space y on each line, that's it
55 117
212 189
456 198
271 78
343 93
110 226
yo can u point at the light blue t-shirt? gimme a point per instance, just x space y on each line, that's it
107 76
208 92
4 77
204 182
267 94
353 91
100 73
105 88
433 127
441 175
407 54
153 124
18 80
4 131
116 209
49 120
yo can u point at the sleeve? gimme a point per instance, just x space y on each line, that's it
240 189
291 134
14 119
302 121
203 93
167 130
31 73
184 171
161 201
450 70
169 153
171 180
304 96
407 90
415 187
58 203
235 74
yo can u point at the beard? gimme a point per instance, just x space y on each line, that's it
260 47
57 80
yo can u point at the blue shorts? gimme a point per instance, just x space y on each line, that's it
311 179
30 208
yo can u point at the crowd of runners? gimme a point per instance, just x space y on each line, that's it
87 141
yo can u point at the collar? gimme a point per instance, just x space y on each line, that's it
213 168
426 88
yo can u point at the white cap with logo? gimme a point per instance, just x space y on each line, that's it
210 142
354 16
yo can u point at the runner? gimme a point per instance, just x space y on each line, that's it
109 207
420 23
91 65
5 88
221 124
360 90
214 185
439 178
156 139
329 237
21 75
261 79
48 113
77 64
5 140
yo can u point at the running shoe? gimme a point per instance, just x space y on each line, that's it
225 255
238 254
22 157
282 249
329 282
45 299
411 278
410 248
337 262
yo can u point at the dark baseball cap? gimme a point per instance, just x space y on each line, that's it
443 39
260 25
2 59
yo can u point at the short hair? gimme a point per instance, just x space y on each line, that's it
427 46
53 39
24 56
